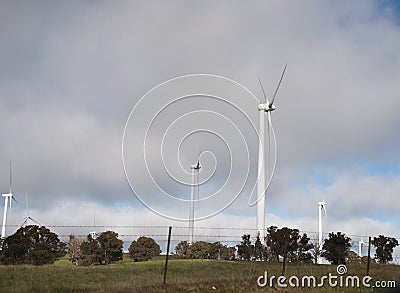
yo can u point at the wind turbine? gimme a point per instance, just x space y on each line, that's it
94 233
266 107
321 206
360 245
8 197
27 217
195 170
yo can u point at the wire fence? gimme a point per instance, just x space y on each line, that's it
229 236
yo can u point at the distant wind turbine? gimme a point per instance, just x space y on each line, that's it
321 206
8 197
94 233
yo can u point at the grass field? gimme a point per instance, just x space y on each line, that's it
183 276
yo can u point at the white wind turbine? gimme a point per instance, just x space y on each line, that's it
321 206
266 107
94 233
8 197
195 171
360 245
27 217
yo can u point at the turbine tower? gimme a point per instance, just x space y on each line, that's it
8 197
195 170
321 206
266 107
360 245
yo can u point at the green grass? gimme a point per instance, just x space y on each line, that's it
183 276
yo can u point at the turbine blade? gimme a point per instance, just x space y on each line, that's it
11 198
33 220
326 216
10 179
262 88
277 88
198 160
24 222
269 144
198 189
26 201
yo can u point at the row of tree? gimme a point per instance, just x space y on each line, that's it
278 242
107 248
38 245
104 249
287 242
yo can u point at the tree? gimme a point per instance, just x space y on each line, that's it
245 248
259 248
336 248
315 250
74 248
32 245
227 252
303 249
182 249
90 252
279 239
111 246
290 238
200 250
384 248
352 258
217 250
272 243
144 248
205 250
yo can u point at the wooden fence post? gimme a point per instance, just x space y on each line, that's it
166 257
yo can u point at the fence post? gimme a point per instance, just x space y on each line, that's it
166 257
369 254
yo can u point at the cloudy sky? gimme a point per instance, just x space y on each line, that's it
72 72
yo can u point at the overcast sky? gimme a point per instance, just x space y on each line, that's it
72 71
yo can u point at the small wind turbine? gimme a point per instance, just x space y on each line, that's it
195 170
266 107
8 197
360 245
321 206
94 233
27 217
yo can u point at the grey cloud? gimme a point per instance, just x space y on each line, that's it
71 73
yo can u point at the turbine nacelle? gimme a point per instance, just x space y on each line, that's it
10 196
195 167
266 107
322 205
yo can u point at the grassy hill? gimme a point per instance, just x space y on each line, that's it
183 276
